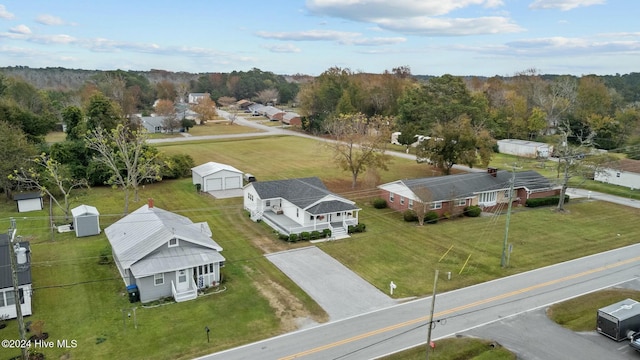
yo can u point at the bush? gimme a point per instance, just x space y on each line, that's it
473 211
326 233
293 237
283 237
431 217
105 256
314 235
409 216
379 203
361 227
304 235
551 200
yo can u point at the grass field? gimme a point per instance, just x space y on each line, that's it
457 349
79 299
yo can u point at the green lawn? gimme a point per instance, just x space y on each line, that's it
457 349
79 299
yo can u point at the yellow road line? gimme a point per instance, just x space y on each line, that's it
456 309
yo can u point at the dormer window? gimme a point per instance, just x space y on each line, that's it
173 242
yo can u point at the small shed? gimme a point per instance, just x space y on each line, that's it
86 220
31 201
617 320
524 148
214 176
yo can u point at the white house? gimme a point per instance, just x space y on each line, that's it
294 206
31 201
23 267
195 98
164 254
624 172
213 176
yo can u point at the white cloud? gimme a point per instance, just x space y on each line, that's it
47 19
564 5
418 17
4 14
341 37
282 48
452 27
20 29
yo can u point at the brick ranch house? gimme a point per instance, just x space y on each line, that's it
451 194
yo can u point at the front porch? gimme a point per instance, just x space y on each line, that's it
184 293
284 225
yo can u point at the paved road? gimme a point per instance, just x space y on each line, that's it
402 326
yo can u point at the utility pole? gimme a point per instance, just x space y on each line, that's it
433 305
503 261
16 289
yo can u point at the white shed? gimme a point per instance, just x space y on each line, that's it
214 176
524 148
86 220
28 201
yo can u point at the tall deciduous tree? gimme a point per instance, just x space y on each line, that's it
206 109
359 143
74 120
15 150
456 142
125 153
102 113
51 178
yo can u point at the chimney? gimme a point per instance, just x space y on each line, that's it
492 171
150 200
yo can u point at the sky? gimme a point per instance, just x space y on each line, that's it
431 37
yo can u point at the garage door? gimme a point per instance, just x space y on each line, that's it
214 184
232 182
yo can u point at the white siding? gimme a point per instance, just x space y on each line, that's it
620 178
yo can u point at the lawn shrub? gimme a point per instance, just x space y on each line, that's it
409 216
314 235
284 237
176 166
361 227
472 211
379 203
326 233
304 235
431 217
293 237
545 201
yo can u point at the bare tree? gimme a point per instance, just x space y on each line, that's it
50 177
422 206
226 100
268 95
167 109
360 142
127 155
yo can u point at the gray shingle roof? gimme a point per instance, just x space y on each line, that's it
145 230
24 272
467 185
306 193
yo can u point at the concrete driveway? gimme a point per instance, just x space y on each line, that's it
338 290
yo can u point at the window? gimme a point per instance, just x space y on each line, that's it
435 205
158 279
311 217
173 242
401 200
268 203
182 276
461 202
11 298
338 214
618 174
297 212
250 196
487 198
390 197
211 268
410 203
1 299
506 194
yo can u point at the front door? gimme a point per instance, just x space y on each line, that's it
182 283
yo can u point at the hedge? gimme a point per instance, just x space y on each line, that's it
551 200
379 203
361 227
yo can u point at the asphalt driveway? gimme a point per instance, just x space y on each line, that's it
338 290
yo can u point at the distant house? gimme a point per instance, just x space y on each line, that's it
195 98
23 267
450 194
164 254
86 220
291 118
153 124
295 205
213 176
31 201
273 113
525 148
624 172
243 104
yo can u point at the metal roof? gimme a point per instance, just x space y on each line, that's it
84 210
27 196
306 193
145 230
213 167
173 259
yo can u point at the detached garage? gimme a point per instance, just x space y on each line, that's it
28 201
86 220
214 176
